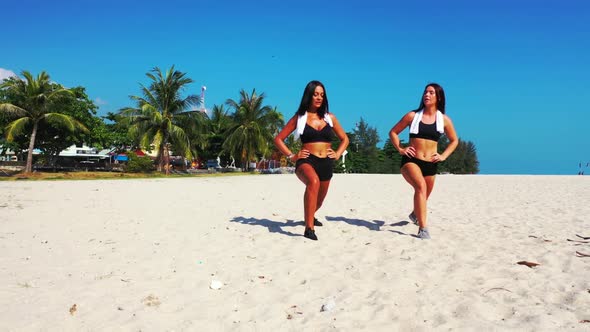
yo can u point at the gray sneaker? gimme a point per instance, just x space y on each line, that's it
423 234
413 219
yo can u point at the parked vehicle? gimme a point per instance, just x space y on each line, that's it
212 163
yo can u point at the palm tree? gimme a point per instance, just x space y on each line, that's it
253 128
31 99
162 118
220 121
218 125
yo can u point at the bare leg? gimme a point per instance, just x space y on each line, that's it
413 175
429 184
308 176
324 185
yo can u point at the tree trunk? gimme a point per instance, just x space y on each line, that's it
160 158
29 165
167 154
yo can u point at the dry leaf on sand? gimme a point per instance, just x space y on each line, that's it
529 264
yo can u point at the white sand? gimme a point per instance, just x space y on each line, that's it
141 255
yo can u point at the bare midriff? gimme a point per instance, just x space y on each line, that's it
425 148
318 149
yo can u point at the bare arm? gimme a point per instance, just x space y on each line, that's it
283 134
404 122
452 136
341 134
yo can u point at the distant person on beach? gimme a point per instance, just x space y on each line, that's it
420 159
315 126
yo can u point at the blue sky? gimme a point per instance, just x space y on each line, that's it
515 72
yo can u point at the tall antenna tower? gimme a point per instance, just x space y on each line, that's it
203 109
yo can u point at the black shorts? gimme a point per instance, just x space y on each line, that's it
322 166
427 168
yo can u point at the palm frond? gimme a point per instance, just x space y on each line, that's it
150 97
16 128
146 141
60 92
233 104
13 110
129 112
180 139
158 139
65 121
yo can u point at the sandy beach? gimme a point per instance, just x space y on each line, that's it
131 255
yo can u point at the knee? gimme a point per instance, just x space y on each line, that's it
421 189
313 183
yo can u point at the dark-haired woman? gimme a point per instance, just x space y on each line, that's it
315 126
420 159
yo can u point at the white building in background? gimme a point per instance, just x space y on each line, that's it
80 153
8 156
86 152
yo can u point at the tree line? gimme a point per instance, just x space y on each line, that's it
36 113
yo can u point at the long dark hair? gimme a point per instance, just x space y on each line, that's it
307 98
440 97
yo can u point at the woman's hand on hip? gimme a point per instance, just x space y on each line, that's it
303 153
410 151
436 158
332 154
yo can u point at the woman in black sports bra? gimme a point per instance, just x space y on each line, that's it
420 158
314 162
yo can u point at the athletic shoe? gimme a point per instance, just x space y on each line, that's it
413 219
423 234
316 222
310 234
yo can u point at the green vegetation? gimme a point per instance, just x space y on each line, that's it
138 164
37 113
162 118
463 160
32 102
252 128
42 176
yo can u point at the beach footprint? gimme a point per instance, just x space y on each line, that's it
151 301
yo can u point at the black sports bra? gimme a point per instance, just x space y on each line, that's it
427 131
311 135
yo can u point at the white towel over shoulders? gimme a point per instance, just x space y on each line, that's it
440 122
302 120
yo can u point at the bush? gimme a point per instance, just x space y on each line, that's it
137 164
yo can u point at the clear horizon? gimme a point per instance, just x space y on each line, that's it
508 69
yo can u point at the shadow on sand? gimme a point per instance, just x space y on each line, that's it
400 224
278 227
273 226
374 225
